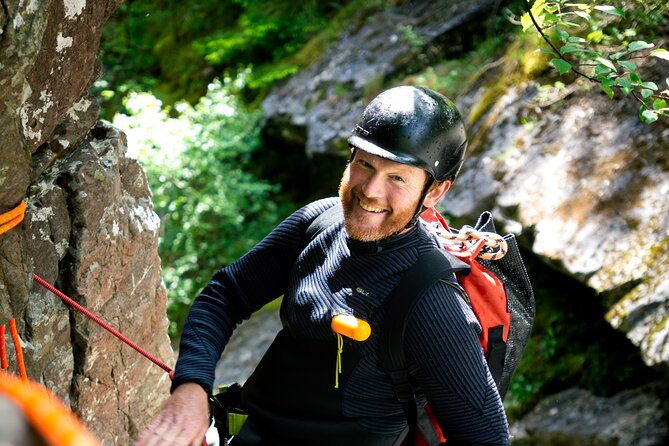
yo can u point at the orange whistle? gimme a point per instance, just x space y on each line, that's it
351 327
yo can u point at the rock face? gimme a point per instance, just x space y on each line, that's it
631 418
585 183
326 98
89 227
104 255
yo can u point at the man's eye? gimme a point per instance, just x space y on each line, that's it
398 179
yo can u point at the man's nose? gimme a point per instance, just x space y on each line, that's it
373 186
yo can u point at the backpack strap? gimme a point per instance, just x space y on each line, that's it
324 221
427 270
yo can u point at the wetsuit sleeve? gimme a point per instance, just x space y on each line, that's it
446 358
235 292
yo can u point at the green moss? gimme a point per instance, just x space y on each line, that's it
373 87
623 298
353 13
519 63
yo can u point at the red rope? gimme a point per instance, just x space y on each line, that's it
14 334
3 352
107 327
17 347
103 324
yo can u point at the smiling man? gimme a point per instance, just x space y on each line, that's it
380 197
314 387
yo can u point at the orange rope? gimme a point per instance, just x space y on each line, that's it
19 353
48 415
8 220
3 351
12 218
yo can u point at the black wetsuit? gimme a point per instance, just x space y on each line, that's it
291 397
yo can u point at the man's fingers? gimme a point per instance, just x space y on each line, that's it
157 429
183 421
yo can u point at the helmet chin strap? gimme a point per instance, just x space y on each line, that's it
420 208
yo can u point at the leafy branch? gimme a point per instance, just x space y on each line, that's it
611 70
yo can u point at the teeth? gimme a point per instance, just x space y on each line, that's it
370 209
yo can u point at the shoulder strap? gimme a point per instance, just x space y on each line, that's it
324 221
427 270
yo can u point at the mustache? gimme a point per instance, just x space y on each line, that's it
368 202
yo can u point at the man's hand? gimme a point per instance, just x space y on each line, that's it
183 421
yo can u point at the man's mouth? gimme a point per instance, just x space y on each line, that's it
370 208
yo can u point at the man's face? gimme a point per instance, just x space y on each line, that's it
379 196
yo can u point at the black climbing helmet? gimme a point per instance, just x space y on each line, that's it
414 126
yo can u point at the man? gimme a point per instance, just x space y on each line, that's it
406 152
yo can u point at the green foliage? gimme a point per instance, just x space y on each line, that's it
212 210
174 49
453 76
601 43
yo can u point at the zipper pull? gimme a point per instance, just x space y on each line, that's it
351 327
340 348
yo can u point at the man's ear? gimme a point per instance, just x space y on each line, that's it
437 190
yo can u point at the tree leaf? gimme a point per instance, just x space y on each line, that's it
660 53
611 10
649 85
536 10
607 63
625 84
649 116
659 104
639 45
616 56
562 35
596 35
562 65
582 14
548 51
645 93
602 72
608 90
538 7
551 18
526 22
571 48
629 66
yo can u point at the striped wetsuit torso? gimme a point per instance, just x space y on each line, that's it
320 278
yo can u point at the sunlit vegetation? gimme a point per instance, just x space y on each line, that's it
211 208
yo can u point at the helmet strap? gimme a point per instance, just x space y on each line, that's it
420 207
